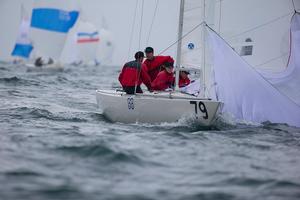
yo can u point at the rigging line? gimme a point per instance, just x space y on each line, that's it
152 22
244 60
294 6
262 25
191 9
141 24
132 29
272 59
181 38
220 16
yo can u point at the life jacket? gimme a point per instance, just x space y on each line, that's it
163 81
154 66
134 73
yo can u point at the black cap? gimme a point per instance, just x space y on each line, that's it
149 50
168 64
138 55
185 71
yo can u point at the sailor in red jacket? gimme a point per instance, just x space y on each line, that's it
154 63
183 78
133 74
165 79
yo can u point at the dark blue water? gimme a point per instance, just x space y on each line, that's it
55 144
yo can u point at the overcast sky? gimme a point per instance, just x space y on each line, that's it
119 16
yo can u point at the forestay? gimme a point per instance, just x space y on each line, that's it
50 23
245 93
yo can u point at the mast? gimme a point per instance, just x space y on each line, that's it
203 73
178 57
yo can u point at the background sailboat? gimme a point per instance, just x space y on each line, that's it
88 45
87 41
23 46
50 24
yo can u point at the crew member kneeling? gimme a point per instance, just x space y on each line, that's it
165 79
133 74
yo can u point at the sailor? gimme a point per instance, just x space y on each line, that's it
183 78
133 74
154 63
38 62
165 79
50 61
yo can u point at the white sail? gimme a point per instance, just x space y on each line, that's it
288 80
195 12
245 93
50 23
106 46
257 30
23 46
87 41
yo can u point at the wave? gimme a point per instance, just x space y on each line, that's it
36 113
15 81
21 173
101 150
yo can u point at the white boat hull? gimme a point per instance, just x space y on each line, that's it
155 107
56 67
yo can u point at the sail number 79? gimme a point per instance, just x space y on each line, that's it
201 107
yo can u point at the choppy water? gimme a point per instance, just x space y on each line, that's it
55 144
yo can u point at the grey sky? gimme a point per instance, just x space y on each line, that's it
119 17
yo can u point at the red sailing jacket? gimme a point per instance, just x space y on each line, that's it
153 66
163 81
184 82
130 73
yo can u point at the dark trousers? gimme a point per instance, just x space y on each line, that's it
130 89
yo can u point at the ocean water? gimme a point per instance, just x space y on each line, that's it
56 144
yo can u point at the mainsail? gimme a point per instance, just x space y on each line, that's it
246 94
257 30
50 23
23 46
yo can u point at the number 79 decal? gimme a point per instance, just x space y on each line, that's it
200 105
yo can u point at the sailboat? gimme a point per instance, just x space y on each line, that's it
87 41
168 106
50 24
23 46
88 45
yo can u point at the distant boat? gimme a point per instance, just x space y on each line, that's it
50 24
88 45
23 46
87 42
